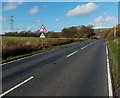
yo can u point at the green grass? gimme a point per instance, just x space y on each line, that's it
97 36
115 53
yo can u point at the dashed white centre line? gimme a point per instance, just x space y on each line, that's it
72 54
90 43
83 47
87 45
18 85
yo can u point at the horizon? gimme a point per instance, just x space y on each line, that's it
58 15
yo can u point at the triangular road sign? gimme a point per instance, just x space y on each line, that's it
43 29
42 35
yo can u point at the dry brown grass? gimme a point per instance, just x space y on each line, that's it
18 47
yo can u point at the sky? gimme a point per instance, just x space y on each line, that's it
58 15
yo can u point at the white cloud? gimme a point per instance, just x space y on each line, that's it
100 20
5 30
99 27
37 21
104 13
11 6
34 10
57 20
2 19
67 23
82 10
29 28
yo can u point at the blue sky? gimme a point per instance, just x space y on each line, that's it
58 15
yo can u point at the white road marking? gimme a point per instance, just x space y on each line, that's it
88 45
72 54
28 57
110 90
25 57
91 43
18 85
84 47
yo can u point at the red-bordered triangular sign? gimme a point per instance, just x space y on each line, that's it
43 29
42 35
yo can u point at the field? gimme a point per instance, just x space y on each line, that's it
17 46
114 48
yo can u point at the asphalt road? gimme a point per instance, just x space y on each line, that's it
75 70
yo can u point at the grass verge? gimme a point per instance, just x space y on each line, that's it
35 52
114 49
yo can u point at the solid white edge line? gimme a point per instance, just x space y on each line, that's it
25 57
110 90
6 92
72 54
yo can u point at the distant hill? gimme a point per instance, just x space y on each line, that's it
100 30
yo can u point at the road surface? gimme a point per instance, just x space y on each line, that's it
75 70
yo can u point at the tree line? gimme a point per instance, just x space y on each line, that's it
23 34
78 32
111 33
70 32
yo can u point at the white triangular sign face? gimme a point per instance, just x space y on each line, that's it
42 35
43 29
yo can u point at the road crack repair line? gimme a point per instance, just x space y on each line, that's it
18 85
